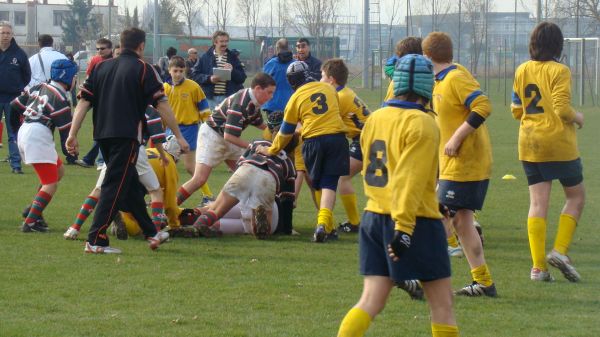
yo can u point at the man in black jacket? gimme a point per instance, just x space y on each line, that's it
216 88
303 54
16 73
119 90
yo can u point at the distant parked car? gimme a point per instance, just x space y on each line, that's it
82 58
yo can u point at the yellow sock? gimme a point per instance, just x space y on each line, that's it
355 324
206 191
318 194
443 330
482 275
564 236
351 207
325 217
536 229
452 241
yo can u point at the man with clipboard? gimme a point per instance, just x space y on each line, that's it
219 71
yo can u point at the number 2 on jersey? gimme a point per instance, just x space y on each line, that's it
377 173
321 101
532 107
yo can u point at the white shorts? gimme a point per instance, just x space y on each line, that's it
239 220
36 144
144 169
252 186
212 149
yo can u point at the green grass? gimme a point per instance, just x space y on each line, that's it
237 286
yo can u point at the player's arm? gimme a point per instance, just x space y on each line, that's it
17 107
167 116
480 108
561 97
232 130
72 144
287 129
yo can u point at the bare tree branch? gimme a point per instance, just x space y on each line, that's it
189 9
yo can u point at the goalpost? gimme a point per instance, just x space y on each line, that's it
579 54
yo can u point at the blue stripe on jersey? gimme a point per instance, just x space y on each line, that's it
287 128
472 97
516 99
440 76
203 105
403 104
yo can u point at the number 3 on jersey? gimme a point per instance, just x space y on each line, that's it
377 173
321 101
532 107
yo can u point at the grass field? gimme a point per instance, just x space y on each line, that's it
287 286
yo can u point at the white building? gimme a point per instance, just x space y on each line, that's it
36 17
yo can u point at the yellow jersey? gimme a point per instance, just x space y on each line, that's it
353 110
168 178
315 105
188 102
542 102
399 144
456 94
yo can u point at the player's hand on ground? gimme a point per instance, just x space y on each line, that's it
452 147
183 144
72 145
399 245
578 120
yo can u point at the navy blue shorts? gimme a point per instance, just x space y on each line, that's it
426 259
355 149
190 133
569 173
462 194
326 155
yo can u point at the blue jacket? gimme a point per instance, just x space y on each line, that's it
315 66
15 72
203 70
277 67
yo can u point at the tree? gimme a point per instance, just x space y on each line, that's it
249 10
438 9
135 20
317 16
283 17
127 18
393 11
220 12
189 9
79 25
169 18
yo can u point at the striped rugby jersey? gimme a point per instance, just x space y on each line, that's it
235 113
44 103
280 166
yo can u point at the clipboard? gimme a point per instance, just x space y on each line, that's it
224 74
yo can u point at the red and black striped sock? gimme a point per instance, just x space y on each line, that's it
158 215
41 200
182 195
84 212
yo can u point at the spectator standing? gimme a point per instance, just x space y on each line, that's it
303 54
104 51
163 63
16 73
218 56
276 67
40 62
119 91
189 63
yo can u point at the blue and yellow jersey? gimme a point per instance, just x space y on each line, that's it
400 143
315 105
456 94
353 110
168 177
542 102
188 102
